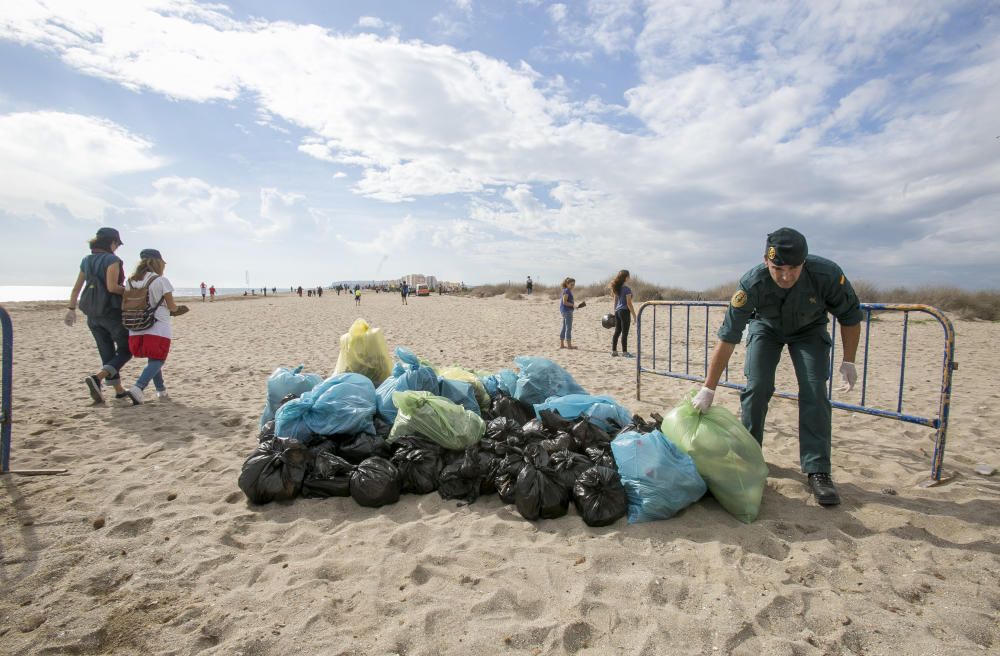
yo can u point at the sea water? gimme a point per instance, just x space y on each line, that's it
17 293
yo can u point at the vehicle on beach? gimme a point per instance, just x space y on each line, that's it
423 290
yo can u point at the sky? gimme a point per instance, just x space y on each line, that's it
307 142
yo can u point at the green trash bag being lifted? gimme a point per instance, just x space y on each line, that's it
725 453
436 418
363 351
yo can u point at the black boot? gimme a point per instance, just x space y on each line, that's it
823 489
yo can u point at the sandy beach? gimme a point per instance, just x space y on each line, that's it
147 545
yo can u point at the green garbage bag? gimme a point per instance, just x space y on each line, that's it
725 453
468 376
436 418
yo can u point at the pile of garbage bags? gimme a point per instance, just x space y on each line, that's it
530 434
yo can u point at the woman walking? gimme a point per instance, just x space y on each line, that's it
566 308
624 312
101 277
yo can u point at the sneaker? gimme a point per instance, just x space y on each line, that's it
626 354
94 387
134 394
162 395
614 354
823 489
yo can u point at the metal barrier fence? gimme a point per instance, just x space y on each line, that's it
939 422
6 369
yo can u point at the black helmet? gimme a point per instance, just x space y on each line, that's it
608 321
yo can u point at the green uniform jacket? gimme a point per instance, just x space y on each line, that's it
792 313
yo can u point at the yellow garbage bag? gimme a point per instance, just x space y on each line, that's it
363 351
468 376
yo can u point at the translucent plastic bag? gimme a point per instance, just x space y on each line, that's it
726 454
418 378
284 381
341 404
602 411
466 376
660 480
436 418
460 392
363 351
541 378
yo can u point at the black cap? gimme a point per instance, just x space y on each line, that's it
786 246
150 254
109 233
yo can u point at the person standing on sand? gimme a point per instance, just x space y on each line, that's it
403 291
204 289
357 296
528 285
102 303
624 312
211 293
566 309
785 300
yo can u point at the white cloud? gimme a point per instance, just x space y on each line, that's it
338 175
372 22
557 12
65 159
189 205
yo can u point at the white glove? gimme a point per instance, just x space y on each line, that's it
70 317
848 376
702 401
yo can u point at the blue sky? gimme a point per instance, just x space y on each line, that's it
307 142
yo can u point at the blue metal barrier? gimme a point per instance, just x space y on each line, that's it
6 368
939 422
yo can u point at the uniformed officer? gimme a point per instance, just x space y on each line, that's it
785 300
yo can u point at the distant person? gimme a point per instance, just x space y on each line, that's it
211 293
299 290
264 289
786 299
528 285
319 291
357 296
404 290
566 308
338 290
274 291
204 290
624 312
152 343
101 302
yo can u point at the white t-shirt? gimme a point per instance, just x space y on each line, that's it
157 289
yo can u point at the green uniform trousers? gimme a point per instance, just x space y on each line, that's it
810 356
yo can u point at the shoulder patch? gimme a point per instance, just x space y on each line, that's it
739 299
841 279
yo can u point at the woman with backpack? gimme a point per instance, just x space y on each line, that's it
100 278
148 317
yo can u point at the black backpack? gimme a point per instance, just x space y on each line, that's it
96 300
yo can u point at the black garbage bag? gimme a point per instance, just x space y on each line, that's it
419 463
506 478
487 445
451 455
327 475
382 427
461 479
535 431
587 434
501 428
375 483
286 398
554 422
599 496
563 441
538 493
274 471
358 448
568 466
266 432
489 465
601 456
511 408
640 425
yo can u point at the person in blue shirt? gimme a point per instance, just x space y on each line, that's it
566 308
785 300
404 291
624 312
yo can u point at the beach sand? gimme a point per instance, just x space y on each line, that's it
147 545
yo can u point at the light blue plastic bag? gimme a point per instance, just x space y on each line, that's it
541 378
407 361
343 404
491 384
506 381
418 379
603 411
660 480
460 392
284 381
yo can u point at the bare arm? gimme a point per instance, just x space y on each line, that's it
849 337
75 294
720 359
631 308
111 279
168 300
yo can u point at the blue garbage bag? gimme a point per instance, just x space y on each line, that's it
460 392
342 404
660 480
420 378
541 378
602 411
284 381
491 384
407 361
